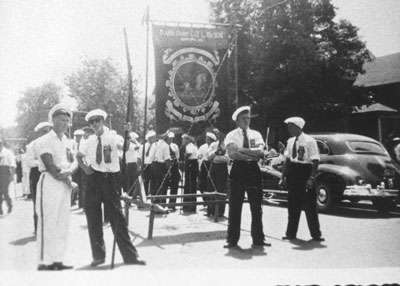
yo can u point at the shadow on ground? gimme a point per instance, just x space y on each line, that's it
184 238
23 241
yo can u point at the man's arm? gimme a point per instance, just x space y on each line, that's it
238 153
86 168
51 168
311 181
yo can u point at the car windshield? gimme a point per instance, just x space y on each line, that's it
366 147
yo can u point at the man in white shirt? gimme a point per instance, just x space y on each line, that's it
99 159
32 161
56 164
7 171
204 162
218 156
131 157
160 168
175 174
191 170
245 147
298 175
145 158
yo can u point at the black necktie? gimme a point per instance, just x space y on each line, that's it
294 149
245 139
148 150
98 151
172 153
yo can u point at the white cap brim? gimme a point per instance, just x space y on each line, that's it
240 110
96 113
298 121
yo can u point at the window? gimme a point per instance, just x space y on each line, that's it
366 147
322 148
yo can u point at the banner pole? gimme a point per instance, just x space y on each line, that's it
236 67
146 82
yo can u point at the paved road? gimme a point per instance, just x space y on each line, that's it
360 245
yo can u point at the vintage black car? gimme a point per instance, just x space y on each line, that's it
352 167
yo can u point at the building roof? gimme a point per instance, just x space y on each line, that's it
376 107
380 71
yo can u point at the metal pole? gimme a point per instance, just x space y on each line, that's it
236 67
146 80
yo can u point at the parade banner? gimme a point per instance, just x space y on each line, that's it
191 77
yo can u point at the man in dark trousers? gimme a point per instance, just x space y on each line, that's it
298 175
191 170
160 168
102 167
175 174
245 147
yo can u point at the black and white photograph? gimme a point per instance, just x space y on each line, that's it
195 142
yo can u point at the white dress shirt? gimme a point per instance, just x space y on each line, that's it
161 152
307 149
60 151
256 141
88 150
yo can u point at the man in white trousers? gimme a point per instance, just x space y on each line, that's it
56 164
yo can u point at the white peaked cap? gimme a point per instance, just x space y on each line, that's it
240 110
42 125
151 133
171 135
94 113
211 135
79 132
298 121
133 135
60 108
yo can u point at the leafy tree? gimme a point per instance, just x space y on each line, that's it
97 84
33 107
294 59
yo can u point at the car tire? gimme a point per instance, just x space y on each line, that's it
384 206
325 200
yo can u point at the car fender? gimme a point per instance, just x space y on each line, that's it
337 177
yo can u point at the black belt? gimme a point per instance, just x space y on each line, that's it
243 162
105 174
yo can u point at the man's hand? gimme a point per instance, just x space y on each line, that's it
88 170
63 175
282 183
310 183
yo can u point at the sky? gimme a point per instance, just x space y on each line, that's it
46 40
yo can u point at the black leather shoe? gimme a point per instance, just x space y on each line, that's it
288 237
97 262
42 267
261 244
135 262
230 245
318 239
58 266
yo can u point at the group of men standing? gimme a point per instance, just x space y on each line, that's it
98 157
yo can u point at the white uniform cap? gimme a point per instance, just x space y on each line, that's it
298 121
211 135
187 136
57 109
94 113
133 135
240 110
151 133
171 135
396 139
79 132
42 125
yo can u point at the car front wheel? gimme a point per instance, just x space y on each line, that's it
325 199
